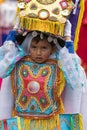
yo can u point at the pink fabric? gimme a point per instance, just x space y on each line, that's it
0 82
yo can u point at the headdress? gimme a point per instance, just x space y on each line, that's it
44 15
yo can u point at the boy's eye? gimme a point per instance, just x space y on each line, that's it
44 47
33 46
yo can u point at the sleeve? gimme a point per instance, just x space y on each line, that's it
6 99
9 55
73 71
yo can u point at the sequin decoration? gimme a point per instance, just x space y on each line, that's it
46 1
43 100
56 11
21 5
63 4
65 12
44 72
32 15
52 18
33 7
24 99
24 72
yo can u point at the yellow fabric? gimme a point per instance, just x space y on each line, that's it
19 126
31 15
56 28
79 25
46 124
81 122
1 1
52 123
60 83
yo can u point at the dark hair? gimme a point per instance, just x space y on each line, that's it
45 37
20 38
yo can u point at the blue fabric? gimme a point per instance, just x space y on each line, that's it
11 36
69 46
67 122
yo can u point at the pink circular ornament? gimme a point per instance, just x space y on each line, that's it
33 87
27 1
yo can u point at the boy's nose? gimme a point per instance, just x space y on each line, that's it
38 51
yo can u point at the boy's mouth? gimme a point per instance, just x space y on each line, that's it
39 58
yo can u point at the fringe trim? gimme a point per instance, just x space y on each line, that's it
77 32
42 124
19 122
81 123
55 28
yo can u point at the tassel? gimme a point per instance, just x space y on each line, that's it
55 28
5 125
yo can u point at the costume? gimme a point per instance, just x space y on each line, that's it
36 99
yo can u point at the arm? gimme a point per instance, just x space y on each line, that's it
10 53
67 35
67 31
6 99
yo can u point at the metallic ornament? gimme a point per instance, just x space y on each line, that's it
41 36
32 15
34 33
21 5
24 99
65 12
44 72
63 4
25 73
62 19
56 11
33 6
49 39
46 2
43 100
53 18
43 14
33 87
55 40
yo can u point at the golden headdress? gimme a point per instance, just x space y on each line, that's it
44 15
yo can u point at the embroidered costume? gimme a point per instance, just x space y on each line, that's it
37 88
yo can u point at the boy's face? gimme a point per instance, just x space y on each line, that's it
40 51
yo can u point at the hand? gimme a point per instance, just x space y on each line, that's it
67 30
11 36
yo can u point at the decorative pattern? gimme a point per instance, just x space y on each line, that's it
44 15
59 122
35 84
46 2
44 8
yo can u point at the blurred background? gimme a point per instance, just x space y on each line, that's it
7 16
